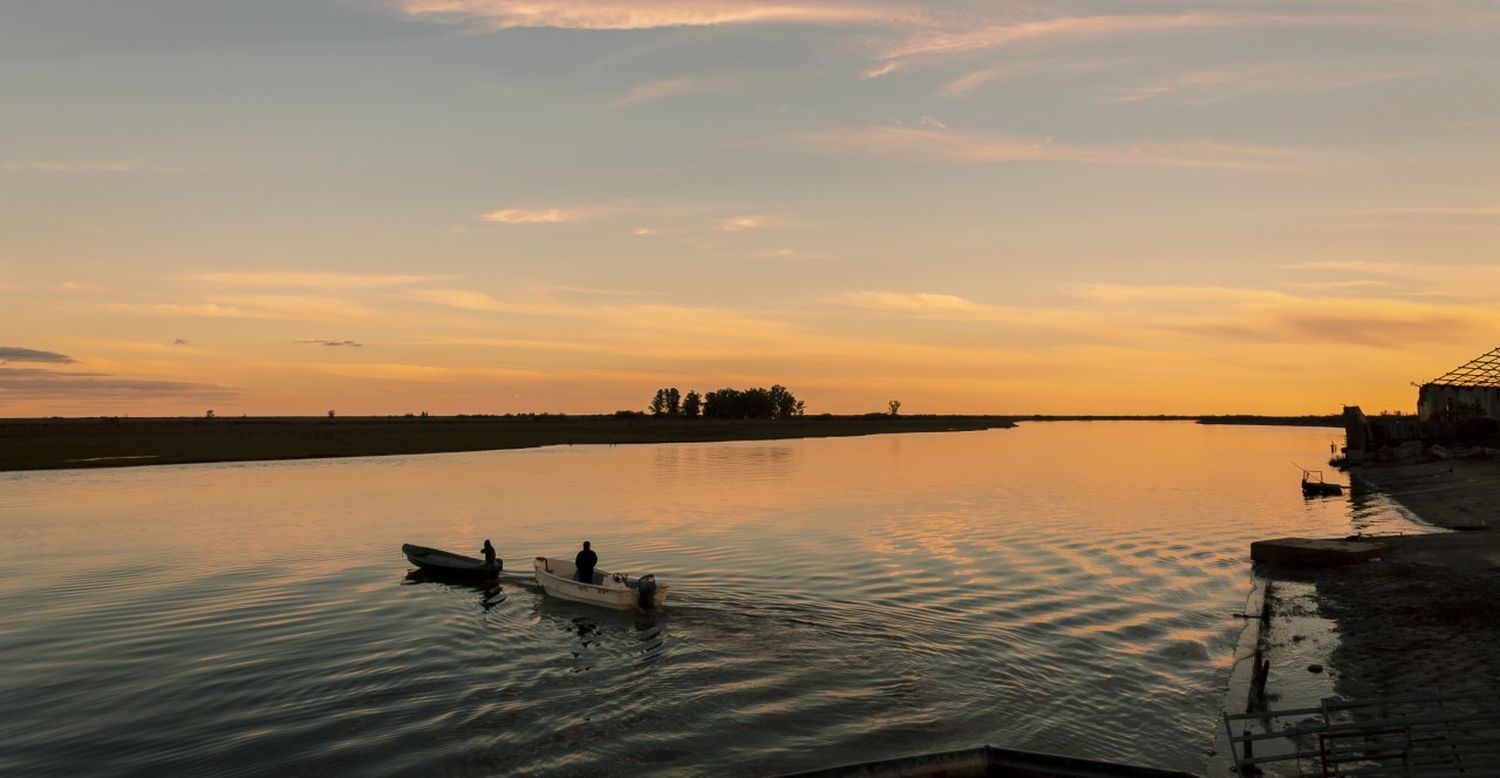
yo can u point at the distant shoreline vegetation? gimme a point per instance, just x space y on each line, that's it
56 443
1330 420
778 402
47 444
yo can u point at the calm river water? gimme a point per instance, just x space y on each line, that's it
1064 587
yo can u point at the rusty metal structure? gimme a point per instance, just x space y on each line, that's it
1483 370
1398 736
1464 394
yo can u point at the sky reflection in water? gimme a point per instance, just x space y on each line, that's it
1063 587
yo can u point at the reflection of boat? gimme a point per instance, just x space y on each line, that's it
1313 485
558 578
444 563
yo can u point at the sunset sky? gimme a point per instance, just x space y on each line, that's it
486 206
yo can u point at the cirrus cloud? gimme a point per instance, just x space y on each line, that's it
307 279
537 215
322 342
935 141
39 384
18 354
650 14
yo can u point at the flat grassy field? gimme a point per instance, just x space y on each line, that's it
44 444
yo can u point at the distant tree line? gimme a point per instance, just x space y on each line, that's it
759 403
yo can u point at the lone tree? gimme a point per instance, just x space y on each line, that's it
895 407
784 404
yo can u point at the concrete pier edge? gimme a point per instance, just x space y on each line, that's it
1242 675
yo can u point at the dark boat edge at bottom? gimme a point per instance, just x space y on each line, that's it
989 761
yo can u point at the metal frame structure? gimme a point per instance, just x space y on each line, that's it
1483 370
1395 736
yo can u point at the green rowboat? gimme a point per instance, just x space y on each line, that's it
433 560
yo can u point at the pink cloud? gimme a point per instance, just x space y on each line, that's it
939 143
619 15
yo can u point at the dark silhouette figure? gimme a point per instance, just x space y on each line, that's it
585 562
489 553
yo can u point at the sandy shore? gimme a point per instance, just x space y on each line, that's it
1459 494
40 444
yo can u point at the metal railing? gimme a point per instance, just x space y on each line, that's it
1395 736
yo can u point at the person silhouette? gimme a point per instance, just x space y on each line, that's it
489 554
585 562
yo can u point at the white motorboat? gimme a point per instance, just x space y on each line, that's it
559 578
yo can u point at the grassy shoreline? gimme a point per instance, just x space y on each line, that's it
59 443
50 444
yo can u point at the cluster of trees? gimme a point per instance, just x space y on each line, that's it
759 403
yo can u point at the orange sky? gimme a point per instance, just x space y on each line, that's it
488 206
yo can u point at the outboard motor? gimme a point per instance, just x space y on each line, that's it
646 592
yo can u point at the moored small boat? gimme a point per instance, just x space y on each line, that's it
1313 485
441 562
559 578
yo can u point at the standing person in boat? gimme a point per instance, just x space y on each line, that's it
585 562
489 554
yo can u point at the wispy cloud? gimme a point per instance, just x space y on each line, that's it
1138 293
1468 124
972 80
1417 279
593 292
269 306
1172 318
742 223
1480 211
1072 28
18 354
295 279
97 166
787 253
204 310
469 300
1267 316
926 303
624 15
950 307
1358 283
397 371
39 384
661 90
929 142
1300 77
539 215
320 342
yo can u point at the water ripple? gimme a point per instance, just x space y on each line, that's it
832 601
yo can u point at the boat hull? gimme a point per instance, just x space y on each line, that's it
611 590
989 761
440 562
1319 489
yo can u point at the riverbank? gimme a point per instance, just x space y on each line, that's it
1459 494
1426 619
1421 622
48 444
